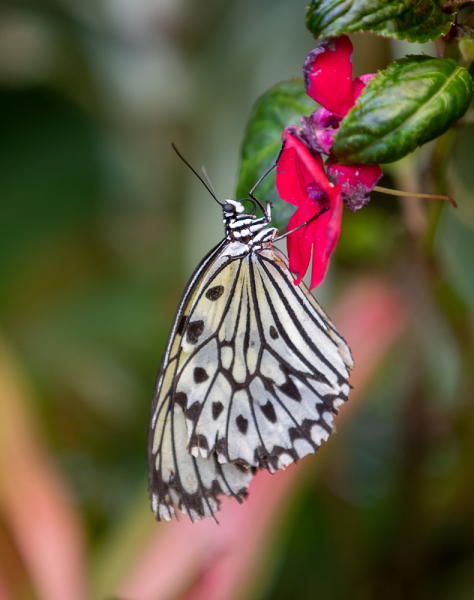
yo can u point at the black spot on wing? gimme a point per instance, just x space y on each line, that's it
317 376
242 424
269 411
277 452
200 375
181 324
329 399
217 408
181 399
193 411
214 293
199 441
274 333
303 431
193 331
290 389
322 408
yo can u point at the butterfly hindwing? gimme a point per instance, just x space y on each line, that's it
261 387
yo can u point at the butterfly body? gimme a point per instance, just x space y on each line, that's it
251 377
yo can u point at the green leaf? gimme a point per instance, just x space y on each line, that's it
412 20
281 105
413 101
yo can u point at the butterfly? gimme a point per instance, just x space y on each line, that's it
252 375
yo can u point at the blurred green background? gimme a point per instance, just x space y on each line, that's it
100 227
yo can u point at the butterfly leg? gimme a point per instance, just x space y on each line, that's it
251 193
280 237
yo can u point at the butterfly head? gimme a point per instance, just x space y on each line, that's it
232 208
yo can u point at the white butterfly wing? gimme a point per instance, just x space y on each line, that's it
266 372
253 373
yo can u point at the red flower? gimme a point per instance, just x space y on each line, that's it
356 181
301 179
328 78
328 75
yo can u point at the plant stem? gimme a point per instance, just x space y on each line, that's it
414 195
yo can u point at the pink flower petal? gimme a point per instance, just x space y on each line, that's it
297 168
288 181
360 83
319 129
292 245
301 180
327 235
303 239
328 74
356 182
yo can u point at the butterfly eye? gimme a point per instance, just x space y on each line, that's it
229 208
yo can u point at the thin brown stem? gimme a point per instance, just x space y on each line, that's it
414 195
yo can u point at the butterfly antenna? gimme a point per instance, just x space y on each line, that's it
203 169
209 189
